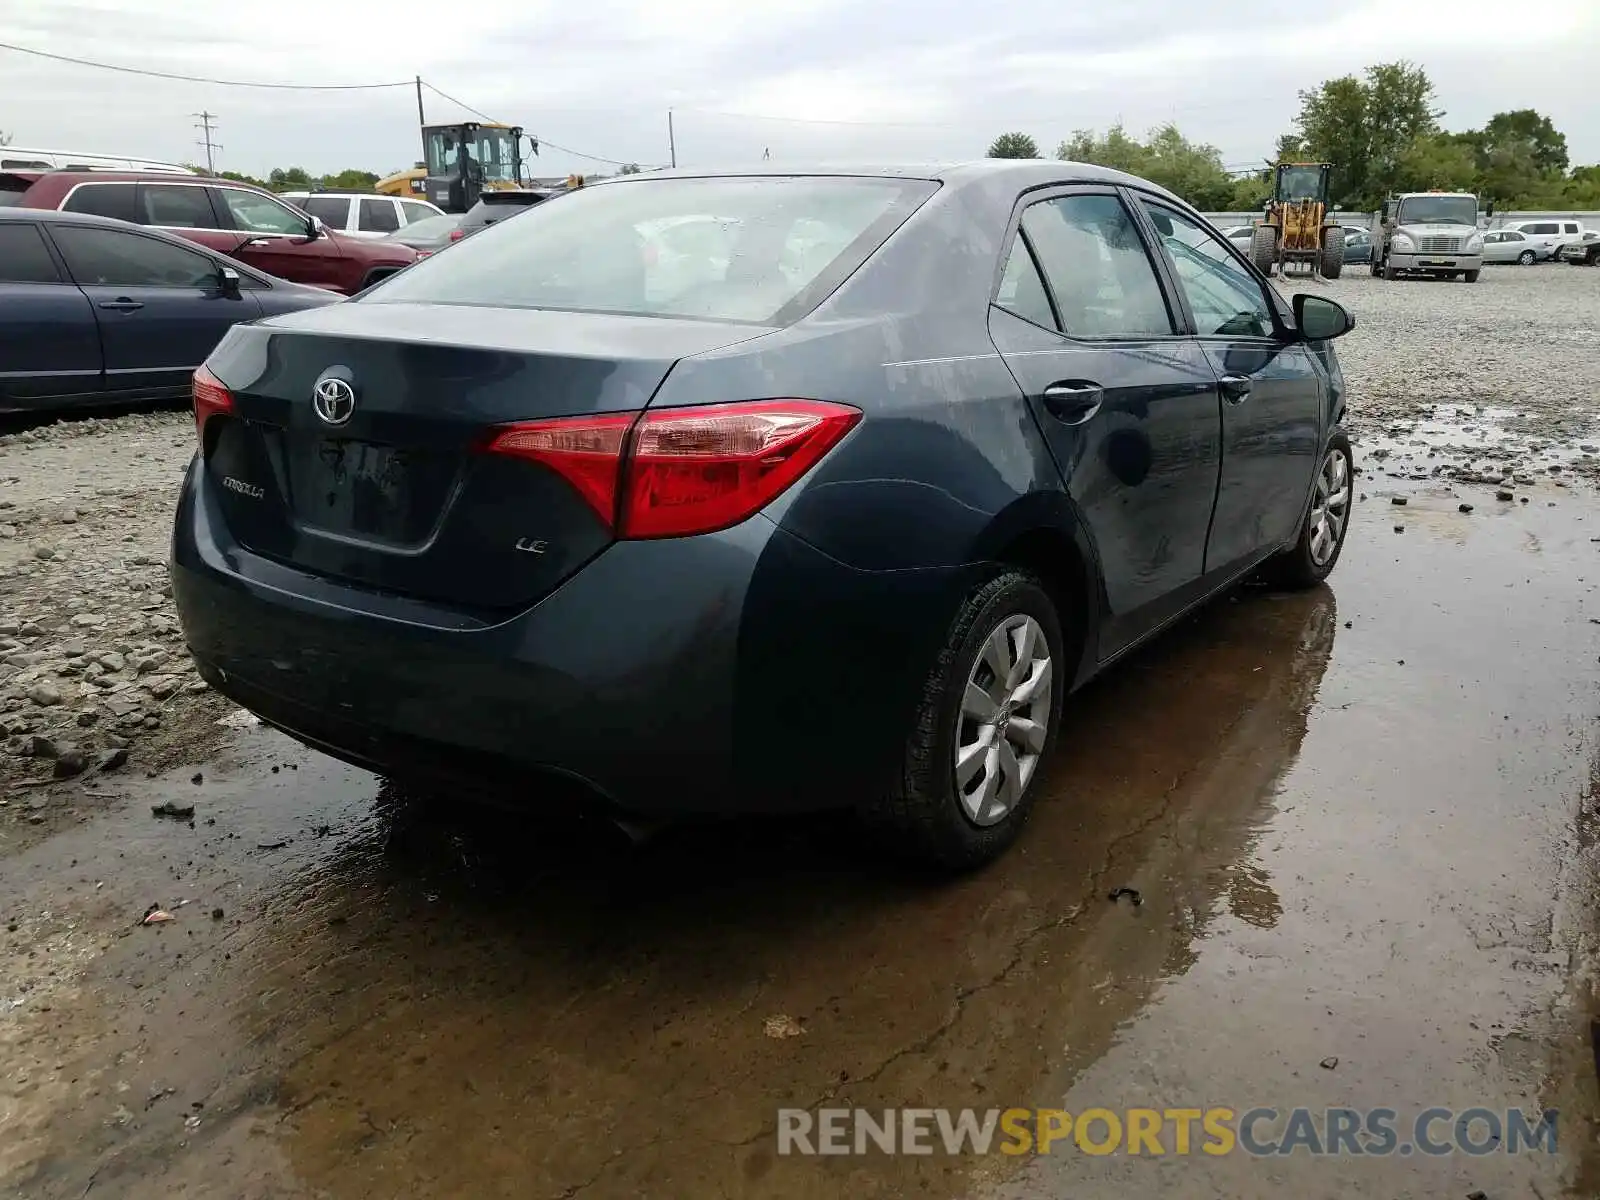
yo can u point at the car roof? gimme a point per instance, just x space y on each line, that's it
1024 172
143 177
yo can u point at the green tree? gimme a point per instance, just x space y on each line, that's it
629 169
292 179
1525 128
1192 170
1014 145
240 177
1366 127
350 180
1442 161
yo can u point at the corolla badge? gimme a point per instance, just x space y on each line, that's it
333 399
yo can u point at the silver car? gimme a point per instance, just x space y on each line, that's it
1509 246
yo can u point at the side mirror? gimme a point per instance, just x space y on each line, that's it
1320 319
228 283
315 228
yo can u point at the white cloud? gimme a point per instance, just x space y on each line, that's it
944 76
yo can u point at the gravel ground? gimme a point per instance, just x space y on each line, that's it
1475 382
1496 382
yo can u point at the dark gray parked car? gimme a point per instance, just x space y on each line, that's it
834 515
94 310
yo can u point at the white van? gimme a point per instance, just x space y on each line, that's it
31 158
362 214
1551 232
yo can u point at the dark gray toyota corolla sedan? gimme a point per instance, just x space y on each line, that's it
733 492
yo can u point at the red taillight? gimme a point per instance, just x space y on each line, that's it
211 398
456 235
682 470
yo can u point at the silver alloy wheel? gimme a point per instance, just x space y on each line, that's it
1330 507
1004 720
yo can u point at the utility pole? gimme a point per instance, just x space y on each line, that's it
421 117
672 139
205 126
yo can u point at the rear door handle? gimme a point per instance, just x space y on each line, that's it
258 242
121 304
1073 401
1235 388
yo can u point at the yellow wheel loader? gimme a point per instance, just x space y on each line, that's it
1298 225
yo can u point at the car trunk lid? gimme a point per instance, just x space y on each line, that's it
383 483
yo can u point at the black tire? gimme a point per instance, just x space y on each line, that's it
1264 248
1388 269
1375 266
1470 276
921 817
1331 260
1527 258
1297 567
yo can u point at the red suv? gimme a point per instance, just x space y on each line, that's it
241 221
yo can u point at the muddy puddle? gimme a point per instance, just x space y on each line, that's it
1360 821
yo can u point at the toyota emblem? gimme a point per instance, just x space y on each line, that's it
334 400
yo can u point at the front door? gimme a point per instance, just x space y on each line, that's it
160 307
1274 395
1126 402
274 238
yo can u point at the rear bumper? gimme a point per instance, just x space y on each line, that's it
739 671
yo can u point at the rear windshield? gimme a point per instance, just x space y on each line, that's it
759 249
10 193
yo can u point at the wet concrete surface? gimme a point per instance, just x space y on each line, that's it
1361 821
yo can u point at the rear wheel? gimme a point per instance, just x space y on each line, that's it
1264 248
986 725
1331 261
1313 556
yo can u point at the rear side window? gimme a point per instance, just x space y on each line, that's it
23 256
333 211
176 207
781 244
1022 290
112 258
104 200
378 216
1102 277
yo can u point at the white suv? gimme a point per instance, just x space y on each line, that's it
362 214
1551 233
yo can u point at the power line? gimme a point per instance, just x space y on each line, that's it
300 87
613 162
211 147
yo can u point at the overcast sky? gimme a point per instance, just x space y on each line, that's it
817 80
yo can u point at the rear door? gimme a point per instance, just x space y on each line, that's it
1125 398
332 211
1274 393
160 307
49 344
273 237
376 216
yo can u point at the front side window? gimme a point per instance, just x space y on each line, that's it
104 200
1226 299
176 207
417 212
378 216
764 242
23 256
255 213
112 258
1102 278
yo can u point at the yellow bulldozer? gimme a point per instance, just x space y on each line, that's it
1298 226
